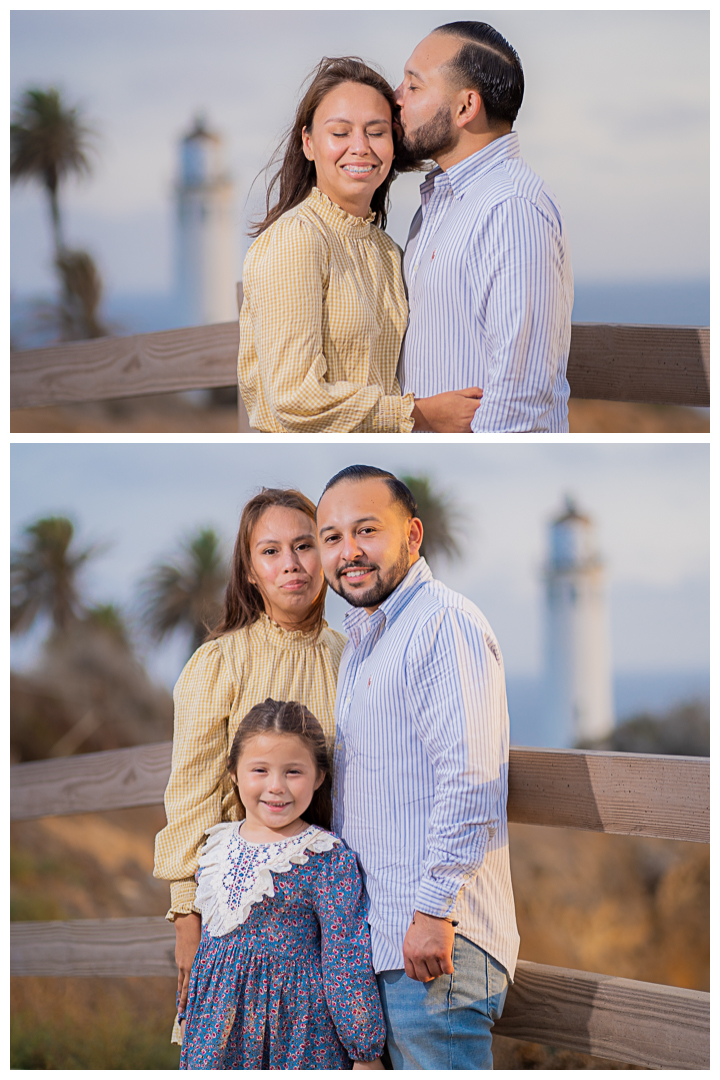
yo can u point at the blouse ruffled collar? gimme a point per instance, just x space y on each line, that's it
269 633
338 218
236 874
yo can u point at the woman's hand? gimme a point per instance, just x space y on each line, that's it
376 1063
188 929
451 411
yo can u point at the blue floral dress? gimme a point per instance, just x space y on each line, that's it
283 977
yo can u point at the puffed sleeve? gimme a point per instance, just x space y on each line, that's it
203 697
350 984
285 280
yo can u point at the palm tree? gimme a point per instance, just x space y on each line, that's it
109 620
442 518
82 290
48 142
44 576
187 592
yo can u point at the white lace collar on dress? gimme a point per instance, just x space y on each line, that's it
235 874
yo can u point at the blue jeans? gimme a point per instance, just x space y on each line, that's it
446 1023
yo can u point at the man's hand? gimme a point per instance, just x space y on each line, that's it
427 948
188 929
376 1063
451 411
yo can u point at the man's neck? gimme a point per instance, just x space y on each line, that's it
468 146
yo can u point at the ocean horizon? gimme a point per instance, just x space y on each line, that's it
654 692
653 303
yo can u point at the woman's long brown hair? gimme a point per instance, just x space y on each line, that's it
296 175
244 604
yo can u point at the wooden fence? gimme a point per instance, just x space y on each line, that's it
640 1023
654 364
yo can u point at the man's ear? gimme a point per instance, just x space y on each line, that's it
469 108
415 535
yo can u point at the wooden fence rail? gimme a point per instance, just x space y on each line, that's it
639 1023
655 364
630 794
636 1022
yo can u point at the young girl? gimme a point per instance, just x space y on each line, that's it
283 977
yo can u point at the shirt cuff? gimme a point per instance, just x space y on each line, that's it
182 899
438 897
393 413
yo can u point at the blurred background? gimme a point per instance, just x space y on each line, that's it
594 554
615 120
641 513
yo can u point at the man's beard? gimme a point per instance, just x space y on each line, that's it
430 139
378 593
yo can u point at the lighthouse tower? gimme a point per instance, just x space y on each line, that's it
206 266
578 681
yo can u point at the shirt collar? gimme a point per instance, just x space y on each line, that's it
461 176
358 622
337 218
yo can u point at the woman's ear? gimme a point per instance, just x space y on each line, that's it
307 145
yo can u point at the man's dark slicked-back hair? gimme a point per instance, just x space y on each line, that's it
401 493
486 62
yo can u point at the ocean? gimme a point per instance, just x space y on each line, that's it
668 303
634 692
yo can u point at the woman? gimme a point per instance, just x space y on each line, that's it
272 641
324 309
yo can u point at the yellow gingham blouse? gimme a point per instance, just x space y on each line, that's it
217 688
322 321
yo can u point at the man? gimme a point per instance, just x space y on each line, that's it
420 784
487 264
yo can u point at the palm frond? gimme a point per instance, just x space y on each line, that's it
185 593
44 575
442 518
48 140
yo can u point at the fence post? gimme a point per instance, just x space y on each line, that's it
243 420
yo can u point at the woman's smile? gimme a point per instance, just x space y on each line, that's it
351 145
286 566
295 583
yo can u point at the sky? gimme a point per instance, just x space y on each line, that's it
615 120
649 503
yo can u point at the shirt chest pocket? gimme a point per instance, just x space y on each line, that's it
379 726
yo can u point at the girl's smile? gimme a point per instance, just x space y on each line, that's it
276 777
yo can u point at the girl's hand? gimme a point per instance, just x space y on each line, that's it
188 929
376 1063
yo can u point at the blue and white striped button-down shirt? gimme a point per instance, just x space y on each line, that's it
490 286
421 760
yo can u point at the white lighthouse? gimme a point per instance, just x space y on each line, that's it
578 679
206 266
